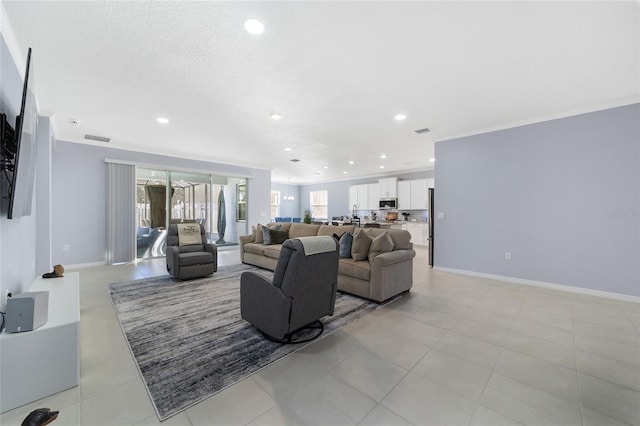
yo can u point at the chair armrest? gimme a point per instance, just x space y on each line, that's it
173 264
211 248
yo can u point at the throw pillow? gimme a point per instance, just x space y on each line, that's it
277 236
380 244
345 242
258 236
263 233
360 246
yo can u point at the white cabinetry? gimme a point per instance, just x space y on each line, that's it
404 195
418 233
353 197
419 192
39 363
365 196
374 196
413 194
388 187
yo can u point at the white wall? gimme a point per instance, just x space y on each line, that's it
79 204
563 196
17 236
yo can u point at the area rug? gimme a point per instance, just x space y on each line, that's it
189 341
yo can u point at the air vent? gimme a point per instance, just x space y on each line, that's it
421 131
294 160
97 138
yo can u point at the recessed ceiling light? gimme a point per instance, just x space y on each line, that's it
326 167
253 26
432 160
276 116
162 120
383 156
345 172
352 162
382 167
400 117
287 149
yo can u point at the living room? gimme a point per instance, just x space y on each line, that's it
557 188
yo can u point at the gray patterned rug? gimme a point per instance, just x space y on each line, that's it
189 340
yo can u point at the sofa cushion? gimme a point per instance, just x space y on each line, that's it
273 251
360 246
355 269
303 230
345 242
380 244
333 229
255 248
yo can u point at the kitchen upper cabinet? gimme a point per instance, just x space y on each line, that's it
419 194
388 187
404 195
353 197
413 194
431 183
373 192
363 197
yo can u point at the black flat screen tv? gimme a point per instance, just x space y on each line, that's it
24 167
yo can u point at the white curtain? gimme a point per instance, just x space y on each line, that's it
121 226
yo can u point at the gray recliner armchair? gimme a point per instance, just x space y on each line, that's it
190 260
303 291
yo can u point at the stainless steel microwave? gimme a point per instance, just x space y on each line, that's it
388 203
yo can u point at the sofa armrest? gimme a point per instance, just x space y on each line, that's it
391 274
392 257
245 239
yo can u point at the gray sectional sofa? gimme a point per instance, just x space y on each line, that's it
386 270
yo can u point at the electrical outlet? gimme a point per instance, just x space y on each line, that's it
65 247
507 255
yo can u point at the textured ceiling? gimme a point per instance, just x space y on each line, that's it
338 72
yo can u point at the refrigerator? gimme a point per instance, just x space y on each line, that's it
430 225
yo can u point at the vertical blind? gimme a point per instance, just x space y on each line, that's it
121 215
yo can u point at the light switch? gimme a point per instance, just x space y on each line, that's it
440 215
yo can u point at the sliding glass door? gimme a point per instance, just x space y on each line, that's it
171 197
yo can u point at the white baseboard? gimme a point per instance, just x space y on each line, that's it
552 286
84 265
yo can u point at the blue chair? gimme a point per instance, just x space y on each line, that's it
297 220
279 219
286 219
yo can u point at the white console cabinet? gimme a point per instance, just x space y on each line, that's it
35 364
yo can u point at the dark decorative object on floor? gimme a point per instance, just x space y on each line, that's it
222 217
198 344
40 417
58 271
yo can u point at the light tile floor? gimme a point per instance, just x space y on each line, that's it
456 350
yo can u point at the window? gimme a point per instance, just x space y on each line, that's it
241 197
319 207
275 204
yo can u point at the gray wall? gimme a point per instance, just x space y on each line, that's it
289 208
563 196
79 204
17 236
